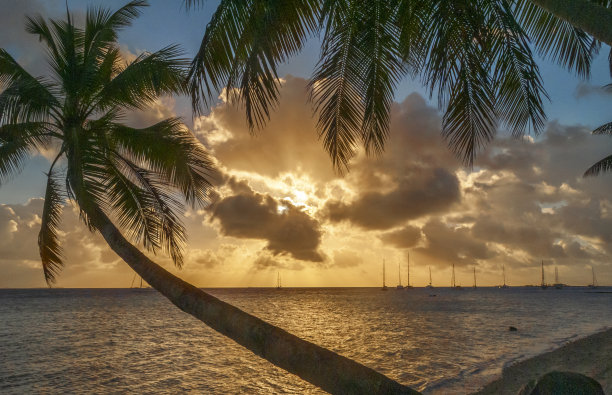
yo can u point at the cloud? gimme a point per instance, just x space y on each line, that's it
286 228
347 258
406 237
288 143
417 195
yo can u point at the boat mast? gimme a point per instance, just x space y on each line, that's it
278 280
399 272
430 276
408 254
504 273
556 275
543 284
453 277
140 282
474 276
384 286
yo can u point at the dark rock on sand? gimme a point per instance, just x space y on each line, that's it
512 329
569 383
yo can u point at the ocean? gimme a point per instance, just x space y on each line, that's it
134 340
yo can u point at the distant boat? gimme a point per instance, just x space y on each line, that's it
408 286
430 284
594 283
278 281
399 274
504 285
140 287
384 287
543 284
557 284
453 283
474 278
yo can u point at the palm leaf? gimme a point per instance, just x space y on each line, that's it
604 129
146 78
17 142
604 165
168 149
516 76
48 243
243 44
139 199
337 84
24 98
382 70
557 39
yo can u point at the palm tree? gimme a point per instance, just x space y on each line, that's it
474 55
135 179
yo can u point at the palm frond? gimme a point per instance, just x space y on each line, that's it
102 25
557 39
144 208
17 142
243 44
48 243
145 79
602 166
469 123
382 70
458 62
519 87
169 149
604 129
100 54
336 86
25 98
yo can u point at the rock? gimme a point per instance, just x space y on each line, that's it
570 383
527 388
512 329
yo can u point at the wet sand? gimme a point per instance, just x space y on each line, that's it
591 356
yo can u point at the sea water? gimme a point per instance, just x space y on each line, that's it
126 340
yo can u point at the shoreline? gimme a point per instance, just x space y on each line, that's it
590 355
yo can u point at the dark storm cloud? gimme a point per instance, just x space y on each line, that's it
406 237
446 245
416 195
287 229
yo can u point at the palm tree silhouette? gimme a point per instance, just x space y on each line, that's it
135 179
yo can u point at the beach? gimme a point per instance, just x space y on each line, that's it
591 356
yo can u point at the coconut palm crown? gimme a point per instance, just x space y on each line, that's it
476 56
141 178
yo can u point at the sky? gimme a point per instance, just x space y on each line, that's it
278 206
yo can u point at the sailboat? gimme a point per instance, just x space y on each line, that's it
453 284
430 285
474 277
399 274
504 285
594 283
278 281
543 285
384 287
557 284
140 287
408 286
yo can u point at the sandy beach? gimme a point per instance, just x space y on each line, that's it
591 356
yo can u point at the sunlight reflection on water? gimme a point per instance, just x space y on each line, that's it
136 341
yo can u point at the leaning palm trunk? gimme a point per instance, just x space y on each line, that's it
317 365
593 18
